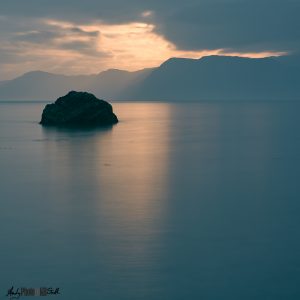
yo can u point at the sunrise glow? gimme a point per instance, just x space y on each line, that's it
73 49
133 46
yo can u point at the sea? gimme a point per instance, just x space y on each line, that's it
178 201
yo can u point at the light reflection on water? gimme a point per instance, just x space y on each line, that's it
121 172
177 201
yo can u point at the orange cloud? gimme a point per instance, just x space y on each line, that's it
69 48
136 45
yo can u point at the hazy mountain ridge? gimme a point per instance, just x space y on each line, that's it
208 78
221 78
39 85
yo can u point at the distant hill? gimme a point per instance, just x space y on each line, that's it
178 79
116 84
38 85
221 78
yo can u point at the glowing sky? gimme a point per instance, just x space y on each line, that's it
132 38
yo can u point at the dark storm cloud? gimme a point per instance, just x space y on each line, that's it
240 25
234 25
113 11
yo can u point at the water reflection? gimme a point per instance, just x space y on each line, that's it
177 201
115 182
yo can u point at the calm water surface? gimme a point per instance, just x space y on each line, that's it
177 201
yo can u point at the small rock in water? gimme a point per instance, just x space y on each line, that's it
78 109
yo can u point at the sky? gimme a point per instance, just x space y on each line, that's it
89 36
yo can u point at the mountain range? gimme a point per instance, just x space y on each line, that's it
211 78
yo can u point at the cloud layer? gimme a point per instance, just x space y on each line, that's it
73 36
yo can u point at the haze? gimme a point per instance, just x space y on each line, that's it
76 37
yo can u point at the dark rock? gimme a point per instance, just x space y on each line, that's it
78 109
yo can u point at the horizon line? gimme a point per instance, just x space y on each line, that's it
274 55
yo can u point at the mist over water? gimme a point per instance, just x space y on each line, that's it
177 201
